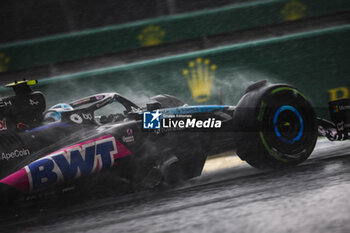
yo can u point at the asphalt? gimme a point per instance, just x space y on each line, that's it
230 196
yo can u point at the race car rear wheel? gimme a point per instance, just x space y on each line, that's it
280 127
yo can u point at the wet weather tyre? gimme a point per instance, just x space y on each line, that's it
277 127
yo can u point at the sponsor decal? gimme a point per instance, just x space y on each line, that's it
293 10
87 116
76 118
128 139
335 109
3 125
344 107
33 102
99 97
4 61
341 126
151 35
5 103
200 75
67 164
340 108
129 132
14 154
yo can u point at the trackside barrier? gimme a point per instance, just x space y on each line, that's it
316 62
112 39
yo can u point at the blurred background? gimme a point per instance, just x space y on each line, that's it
203 51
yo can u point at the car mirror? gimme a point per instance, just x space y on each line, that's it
153 106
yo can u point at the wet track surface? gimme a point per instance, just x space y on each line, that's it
313 197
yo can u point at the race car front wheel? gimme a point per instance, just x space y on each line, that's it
276 126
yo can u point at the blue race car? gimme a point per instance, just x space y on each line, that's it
164 142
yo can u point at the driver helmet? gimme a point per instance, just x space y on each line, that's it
54 113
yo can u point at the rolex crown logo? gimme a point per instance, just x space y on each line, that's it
151 35
200 76
4 60
293 10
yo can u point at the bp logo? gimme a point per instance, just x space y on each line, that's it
4 60
151 120
293 10
200 75
151 35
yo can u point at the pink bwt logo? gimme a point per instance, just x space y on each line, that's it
68 163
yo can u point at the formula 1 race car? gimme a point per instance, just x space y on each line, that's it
272 126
